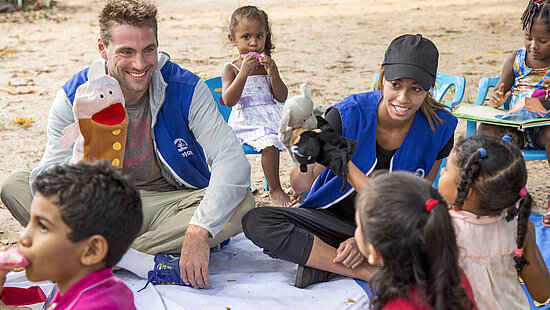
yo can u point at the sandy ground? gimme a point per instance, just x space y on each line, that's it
334 46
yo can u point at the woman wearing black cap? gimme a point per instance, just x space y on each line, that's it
397 127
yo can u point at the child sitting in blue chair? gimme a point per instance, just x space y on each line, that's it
525 71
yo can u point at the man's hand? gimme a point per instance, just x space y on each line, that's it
195 255
348 254
499 97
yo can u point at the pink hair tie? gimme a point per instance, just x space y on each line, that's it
519 252
430 203
522 192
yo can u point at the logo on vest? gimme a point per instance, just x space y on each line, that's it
420 172
182 147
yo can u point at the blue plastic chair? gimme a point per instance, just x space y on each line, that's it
215 86
443 83
485 83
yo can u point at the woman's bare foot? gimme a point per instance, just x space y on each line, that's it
280 198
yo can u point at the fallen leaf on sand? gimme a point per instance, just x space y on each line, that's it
23 122
13 91
5 51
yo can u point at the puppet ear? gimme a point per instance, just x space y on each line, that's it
285 118
305 90
97 70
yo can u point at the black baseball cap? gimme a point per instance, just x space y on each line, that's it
411 56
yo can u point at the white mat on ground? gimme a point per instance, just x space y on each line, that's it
241 277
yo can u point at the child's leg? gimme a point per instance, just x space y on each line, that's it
542 138
499 132
270 165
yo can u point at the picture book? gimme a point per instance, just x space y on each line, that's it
486 114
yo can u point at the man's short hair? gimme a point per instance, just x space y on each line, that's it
126 12
94 199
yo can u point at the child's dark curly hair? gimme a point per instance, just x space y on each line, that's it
536 10
94 199
418 245
250 11
495 172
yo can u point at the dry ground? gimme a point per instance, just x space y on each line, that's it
335 46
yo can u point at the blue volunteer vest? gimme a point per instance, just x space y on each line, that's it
416 154
176 145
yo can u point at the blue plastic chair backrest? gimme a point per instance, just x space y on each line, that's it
215 86
443 82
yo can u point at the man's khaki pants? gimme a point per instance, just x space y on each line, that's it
166 215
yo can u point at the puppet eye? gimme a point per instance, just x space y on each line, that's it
111 92
101 96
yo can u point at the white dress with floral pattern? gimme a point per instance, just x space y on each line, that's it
256 116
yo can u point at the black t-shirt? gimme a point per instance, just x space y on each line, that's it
345 208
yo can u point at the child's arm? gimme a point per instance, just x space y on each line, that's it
3 273
233 84
505 82
280 91
535 275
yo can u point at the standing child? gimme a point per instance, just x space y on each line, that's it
526 70
485 177
83 218
404 228
250 83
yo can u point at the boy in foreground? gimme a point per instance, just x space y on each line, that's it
83 219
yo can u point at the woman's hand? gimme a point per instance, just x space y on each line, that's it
499 97
348 254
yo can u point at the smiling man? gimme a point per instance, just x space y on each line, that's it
191 171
